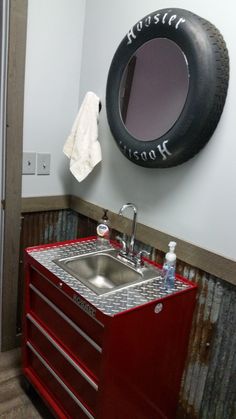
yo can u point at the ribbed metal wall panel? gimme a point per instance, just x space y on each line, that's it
48 227
208 389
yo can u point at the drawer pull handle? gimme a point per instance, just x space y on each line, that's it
62 352
61 290
77 401
67 319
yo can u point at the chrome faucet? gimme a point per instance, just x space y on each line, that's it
130 250
127 251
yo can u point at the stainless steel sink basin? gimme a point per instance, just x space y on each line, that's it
104 272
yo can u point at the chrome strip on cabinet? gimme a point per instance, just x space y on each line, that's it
77 401
62 352
67 319
61 290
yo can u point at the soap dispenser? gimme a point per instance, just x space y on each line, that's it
168 270
103 229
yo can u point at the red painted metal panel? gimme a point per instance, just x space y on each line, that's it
144 349
66 335
150 351
54 293
53 393
71 377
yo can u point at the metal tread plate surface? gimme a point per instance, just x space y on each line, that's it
114 302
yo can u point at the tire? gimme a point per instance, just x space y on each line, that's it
208 66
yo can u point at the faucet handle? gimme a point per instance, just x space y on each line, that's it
139 255
123 244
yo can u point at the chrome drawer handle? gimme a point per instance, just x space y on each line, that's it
67 319
62 352
58 286
82 407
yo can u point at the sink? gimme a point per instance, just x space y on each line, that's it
104 272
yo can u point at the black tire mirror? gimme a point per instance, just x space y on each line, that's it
166 88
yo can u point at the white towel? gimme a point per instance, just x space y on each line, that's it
82 146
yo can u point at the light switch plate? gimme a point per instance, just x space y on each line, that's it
43 163
28 163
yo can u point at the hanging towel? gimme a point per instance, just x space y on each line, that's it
82 146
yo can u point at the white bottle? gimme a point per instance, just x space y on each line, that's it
168 270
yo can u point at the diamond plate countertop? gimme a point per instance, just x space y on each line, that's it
113 302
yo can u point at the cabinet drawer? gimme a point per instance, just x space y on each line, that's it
42 376
66 332
69 372
90 325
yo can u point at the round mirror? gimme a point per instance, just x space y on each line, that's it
166 88
154 89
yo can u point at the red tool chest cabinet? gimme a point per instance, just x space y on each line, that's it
116 357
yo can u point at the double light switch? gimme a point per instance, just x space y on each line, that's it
33 163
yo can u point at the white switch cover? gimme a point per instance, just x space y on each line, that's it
28 163
43 163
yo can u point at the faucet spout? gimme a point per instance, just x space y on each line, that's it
132 237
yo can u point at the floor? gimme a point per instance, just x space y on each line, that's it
15 403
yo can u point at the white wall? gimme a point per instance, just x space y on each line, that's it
52 77
195 201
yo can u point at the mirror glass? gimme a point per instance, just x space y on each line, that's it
154 89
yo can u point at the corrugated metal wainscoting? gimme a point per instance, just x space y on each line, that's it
209 382
208 388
